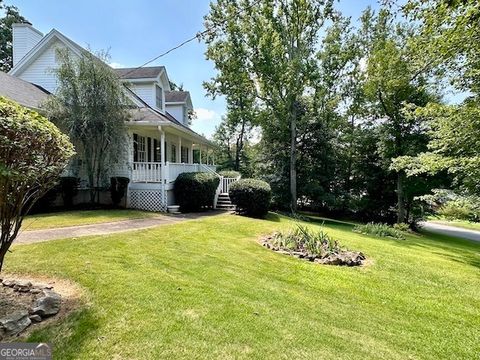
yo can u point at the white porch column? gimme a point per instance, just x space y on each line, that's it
190 154
200 146
179 150
162 154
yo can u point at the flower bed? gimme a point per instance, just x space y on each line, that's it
312 246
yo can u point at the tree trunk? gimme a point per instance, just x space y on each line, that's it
400 198
293 159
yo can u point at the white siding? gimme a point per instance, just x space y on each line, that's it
146 92
177 111
40 71
25 37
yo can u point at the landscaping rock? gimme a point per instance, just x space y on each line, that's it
22 286
47 305
35 318
348 258
9 283
14 323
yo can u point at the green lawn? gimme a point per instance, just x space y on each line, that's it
83 217
205 289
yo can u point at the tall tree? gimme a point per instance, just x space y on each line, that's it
230 56
91 107
393 82
279 38
11 17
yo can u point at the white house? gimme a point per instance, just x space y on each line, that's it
161 143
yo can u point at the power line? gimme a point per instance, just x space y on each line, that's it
198 35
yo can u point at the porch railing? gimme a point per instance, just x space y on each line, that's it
225 183
146 172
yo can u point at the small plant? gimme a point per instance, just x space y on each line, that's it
402 227
380 230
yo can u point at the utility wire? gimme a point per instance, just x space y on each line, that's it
198 35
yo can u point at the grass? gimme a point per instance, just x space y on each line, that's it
80 217
207 290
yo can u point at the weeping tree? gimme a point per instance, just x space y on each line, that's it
91 107
33 153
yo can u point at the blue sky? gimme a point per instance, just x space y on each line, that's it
136 31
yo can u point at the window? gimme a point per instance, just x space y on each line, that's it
139 149
184 154
159 97
173 153
157 154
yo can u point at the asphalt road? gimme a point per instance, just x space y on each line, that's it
452 231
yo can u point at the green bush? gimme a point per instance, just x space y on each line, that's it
230 174
380 230
118 189
459 209
195 191
252 197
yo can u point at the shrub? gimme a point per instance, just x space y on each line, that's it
459 209
194 191
380 230
252 197
69 189
33 153
304 240
118 189
402 227
230 174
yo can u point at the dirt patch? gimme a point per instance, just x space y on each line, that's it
21 300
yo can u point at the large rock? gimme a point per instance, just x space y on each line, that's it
348 258
47 305
15 323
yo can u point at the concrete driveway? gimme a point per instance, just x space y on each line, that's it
452 231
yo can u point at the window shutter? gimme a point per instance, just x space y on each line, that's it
135 148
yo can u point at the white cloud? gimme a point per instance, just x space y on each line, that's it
205 114
116 65
206 121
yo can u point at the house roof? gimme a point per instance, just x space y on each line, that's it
140 73
176 96
41 46
22 91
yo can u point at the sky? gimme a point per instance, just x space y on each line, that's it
135 31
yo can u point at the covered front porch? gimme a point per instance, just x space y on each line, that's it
158 154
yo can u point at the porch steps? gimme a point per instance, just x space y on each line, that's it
224 202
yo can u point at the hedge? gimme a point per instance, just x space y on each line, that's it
195 191
252 197
230 174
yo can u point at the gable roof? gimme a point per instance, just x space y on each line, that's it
42 45
176 96
150 72
21 91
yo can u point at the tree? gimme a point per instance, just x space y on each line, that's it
279 40
448 41
91 107
392 82
230 55
33 153
11 17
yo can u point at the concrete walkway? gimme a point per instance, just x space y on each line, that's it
28 237
452 231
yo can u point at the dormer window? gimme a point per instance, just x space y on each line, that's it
159 97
